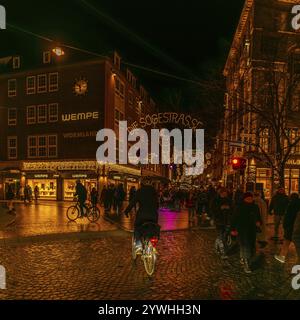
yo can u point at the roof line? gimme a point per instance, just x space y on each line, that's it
238 34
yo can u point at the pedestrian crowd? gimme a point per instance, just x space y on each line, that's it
24 193
239 217
243 217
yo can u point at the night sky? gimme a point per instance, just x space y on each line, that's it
184 38
169 35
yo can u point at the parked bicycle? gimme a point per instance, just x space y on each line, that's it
91 212
150 237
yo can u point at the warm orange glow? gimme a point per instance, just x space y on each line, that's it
58 51
235 161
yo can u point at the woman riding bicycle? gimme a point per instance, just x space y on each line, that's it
147 199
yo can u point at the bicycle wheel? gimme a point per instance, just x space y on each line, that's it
93 214
72 213
149 260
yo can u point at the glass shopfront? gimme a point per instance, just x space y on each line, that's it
264 177
132 182
70 186
291 180
47 187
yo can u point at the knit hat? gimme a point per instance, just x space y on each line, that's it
247 195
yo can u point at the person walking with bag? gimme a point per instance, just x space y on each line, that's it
190 204
278 206
288 225
10 195
223 211
263 208
245 222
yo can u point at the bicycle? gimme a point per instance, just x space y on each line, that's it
91 212
149 241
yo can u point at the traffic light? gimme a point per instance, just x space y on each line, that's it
238 163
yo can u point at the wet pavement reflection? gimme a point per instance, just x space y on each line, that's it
50 218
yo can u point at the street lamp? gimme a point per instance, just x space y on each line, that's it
58 51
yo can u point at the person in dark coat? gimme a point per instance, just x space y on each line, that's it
296 235
10 195
132 193
288 225
278 206
222 208
94 197
245 221
120 195
211 196
81 193
147 199
238 197
103 196
190 204
26 194
202 201
109 198
36 193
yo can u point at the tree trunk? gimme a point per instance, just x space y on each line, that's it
281 177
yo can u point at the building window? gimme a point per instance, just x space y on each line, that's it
265 140
31 115
12 87
47 57
130 100
32 147
139 106
129 76
270 46
42 113
12 148
53 82
12 116
52 146
120 88
16 63
42 146
42 83
134 82
53 112
117 118
30 85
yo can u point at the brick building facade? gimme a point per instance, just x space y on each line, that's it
50 114
264 43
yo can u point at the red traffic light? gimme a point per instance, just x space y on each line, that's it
235 161
238 163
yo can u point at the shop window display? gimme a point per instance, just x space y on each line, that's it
70 187
47 188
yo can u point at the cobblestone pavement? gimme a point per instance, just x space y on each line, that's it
99 266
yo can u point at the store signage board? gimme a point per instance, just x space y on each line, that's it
295 162
162 118
56 165
75 135
80 116
132 179
79 176
41 176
